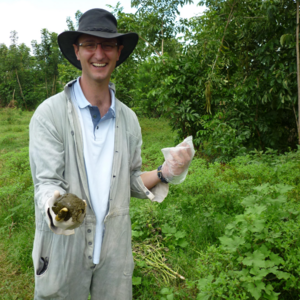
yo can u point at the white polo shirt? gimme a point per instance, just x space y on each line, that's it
98 144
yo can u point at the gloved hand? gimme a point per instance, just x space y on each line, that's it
65 213
177 161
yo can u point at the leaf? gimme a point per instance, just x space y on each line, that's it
272 296
141 264
260 285
136 233
257 209
283 188
269 289
182 243
256 293
231 243
180 234
259 273
282 275
165 291
168 229
250 200
282 39
203 282
264 187
257 226
256 258
276 259
136 280
263 249
203 296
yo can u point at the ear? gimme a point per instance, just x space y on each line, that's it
119 51
76 50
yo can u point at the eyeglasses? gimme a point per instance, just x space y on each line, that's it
92 46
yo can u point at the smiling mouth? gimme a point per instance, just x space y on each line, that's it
98 65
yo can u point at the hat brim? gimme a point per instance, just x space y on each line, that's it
67 39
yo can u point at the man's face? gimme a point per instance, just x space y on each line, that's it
97 65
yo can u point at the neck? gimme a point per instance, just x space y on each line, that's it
97 94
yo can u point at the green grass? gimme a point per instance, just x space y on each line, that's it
178 234
14 129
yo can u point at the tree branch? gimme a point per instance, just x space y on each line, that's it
150 46
228 20
21 89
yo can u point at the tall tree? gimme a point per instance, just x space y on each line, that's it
250 47
70 23
15 60
48 57
160 18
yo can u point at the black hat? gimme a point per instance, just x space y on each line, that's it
101 23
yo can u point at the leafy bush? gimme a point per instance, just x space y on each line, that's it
252 261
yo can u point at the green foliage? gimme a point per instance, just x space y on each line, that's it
236 64
28 80
70 23
253 250
237 222
168 294
158 17
67 72
229 79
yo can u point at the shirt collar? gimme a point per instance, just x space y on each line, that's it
83 103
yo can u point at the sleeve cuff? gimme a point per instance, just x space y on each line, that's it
160 192
157 194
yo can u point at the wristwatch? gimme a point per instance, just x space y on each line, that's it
160 175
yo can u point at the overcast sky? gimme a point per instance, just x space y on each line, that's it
28 17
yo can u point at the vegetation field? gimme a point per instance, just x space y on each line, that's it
230 231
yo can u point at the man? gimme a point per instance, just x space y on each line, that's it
86 142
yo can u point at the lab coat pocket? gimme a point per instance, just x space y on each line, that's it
48 266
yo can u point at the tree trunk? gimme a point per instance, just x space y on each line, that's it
54 86
21 90
298 71
162 37
46 85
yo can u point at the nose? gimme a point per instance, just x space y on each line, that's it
99 53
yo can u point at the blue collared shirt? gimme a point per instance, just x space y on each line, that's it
98 144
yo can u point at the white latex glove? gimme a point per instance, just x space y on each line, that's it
61 226
177 161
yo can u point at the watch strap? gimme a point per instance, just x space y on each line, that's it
160 175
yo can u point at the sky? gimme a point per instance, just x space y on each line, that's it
28 17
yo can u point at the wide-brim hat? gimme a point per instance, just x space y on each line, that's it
100 23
